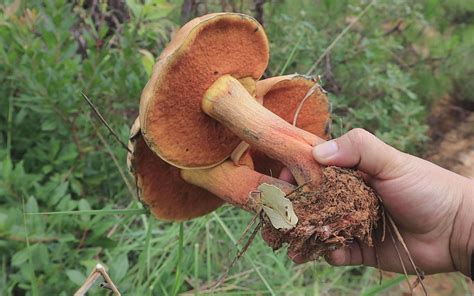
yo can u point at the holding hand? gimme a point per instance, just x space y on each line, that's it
433 207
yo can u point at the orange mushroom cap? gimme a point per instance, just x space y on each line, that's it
161 187
283 95
170 108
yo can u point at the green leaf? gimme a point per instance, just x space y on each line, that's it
135 7
75 276
59 192
7 167
20 257
31 205
147 60
119 267
40 256
48 125
157 9
84 205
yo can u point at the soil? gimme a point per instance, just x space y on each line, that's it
452 134
344 209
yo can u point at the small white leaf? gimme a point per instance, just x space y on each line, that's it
278 208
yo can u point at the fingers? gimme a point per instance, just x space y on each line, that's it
298 258
287 176
354 254
359 148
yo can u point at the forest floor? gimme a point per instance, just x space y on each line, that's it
452 134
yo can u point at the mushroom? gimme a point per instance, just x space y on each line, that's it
210 68
169 197
228 102
202 51
160 186
283 95
212 64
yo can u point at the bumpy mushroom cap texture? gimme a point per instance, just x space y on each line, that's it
283 95
202 51
161 187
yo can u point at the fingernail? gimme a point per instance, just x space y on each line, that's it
325 150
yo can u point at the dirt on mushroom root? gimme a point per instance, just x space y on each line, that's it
344 209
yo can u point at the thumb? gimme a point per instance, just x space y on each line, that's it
360 149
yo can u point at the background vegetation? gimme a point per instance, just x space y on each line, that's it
393 60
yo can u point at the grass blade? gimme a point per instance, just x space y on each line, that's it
208 254
31 269
232 238
96 212
177 280
196 268
336 40
291 55
377 289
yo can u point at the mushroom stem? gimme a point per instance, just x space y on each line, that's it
228 102
234 184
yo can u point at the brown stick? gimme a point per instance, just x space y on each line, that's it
98 271
102 119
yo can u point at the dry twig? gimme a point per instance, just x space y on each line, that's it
102 119
240 253
98 271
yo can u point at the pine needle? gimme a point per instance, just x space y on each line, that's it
102 119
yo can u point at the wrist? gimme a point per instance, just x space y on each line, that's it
461 243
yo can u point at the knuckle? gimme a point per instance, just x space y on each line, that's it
358 136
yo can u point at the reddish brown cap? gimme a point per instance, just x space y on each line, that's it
283 95
170 108
160 185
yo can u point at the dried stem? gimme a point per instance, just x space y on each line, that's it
247 228
346 29
401 260
240 253
419 274
102 119
98 271
115 161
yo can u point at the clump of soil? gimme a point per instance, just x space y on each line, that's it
344 209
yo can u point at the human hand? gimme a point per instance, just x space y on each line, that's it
431 206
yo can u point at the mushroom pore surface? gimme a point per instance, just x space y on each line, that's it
173 124
161 188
